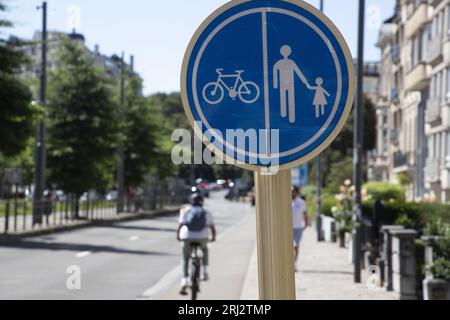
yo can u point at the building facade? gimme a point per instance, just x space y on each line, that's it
31 71
413 118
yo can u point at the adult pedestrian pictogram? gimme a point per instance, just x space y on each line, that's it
280 68
283 77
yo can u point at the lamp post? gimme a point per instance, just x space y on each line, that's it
319 184
121 155
357 146
40 157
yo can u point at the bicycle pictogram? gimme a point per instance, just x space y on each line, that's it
246 91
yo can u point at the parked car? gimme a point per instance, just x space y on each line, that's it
112 195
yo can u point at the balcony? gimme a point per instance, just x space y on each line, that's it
400 162
432 170
416 79
434 54
434 3
416 20
433 110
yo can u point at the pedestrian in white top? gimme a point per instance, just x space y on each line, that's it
299 220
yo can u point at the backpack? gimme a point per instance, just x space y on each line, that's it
196 219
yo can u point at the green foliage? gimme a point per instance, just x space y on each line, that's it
167 111
440 228
433 219
336 160
141 141
403 179
384 191
327 201
341 170
83 123
18 114
310 192
441 268
420 263
344 141
405 220
435 212
24 161
406 214
437 227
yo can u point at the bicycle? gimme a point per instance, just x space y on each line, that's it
196 260
247 91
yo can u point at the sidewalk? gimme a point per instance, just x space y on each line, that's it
324 273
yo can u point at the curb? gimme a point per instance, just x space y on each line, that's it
250 289
5 238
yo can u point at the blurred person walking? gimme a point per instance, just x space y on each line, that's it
299 220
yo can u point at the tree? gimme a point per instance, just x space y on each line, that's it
342 147
83 123
141 132
18 114
338 173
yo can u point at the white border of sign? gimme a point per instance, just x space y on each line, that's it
350 93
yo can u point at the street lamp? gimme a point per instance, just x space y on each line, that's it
39 169
357 141
319 184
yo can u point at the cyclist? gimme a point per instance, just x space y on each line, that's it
194 223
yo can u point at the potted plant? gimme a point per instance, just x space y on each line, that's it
342 231
436 285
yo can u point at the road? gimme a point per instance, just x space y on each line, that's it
123 261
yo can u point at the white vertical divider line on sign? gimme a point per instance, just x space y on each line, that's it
266 81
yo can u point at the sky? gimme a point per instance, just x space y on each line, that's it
158 32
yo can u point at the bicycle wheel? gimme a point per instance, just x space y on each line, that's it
195 280
213 93
248 92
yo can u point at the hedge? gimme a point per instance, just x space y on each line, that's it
409 214
384 191
327 201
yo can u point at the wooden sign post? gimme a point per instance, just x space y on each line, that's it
274 236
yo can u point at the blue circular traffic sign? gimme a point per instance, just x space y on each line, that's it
267 82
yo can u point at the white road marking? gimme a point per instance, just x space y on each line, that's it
161 286
134 238
83 254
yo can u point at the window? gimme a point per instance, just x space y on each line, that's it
443 145
438 84
440 21
448 20
424 42
432 87
385 142
433 27
448 84
415 50
448 144
437 146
